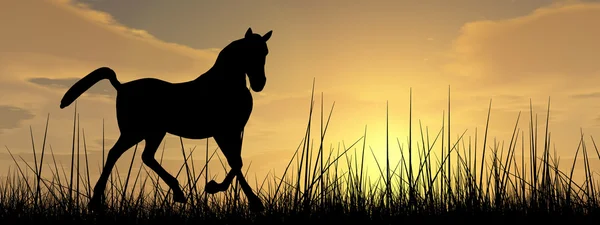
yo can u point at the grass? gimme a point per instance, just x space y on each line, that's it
437 181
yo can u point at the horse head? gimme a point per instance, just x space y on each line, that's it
253 57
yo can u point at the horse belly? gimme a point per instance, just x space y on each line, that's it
223 113
192 124
205 124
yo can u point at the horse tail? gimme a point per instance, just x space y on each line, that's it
88 81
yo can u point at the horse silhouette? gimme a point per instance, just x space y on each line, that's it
148 109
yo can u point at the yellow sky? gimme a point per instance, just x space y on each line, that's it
361 56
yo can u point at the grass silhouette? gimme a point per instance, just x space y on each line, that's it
447 185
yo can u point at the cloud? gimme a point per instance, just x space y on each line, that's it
11 117
553 47
48 45
64 39
550 52
586 95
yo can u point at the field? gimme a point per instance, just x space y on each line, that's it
324 186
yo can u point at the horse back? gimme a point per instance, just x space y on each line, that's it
186 109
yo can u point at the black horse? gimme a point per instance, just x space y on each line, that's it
148 109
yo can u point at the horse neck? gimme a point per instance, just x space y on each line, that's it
224 75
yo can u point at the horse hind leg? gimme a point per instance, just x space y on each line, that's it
125 142
152 144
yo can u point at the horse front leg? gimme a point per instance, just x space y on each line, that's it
231 146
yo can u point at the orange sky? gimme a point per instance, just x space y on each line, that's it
361 53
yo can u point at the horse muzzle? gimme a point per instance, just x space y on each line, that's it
258 83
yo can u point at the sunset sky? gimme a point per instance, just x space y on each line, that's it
361 55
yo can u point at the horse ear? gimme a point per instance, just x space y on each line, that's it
267 35
249 32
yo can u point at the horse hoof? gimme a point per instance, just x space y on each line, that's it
211 187
256 206
178 196
95 205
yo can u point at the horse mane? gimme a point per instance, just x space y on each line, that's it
226 53
230 50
